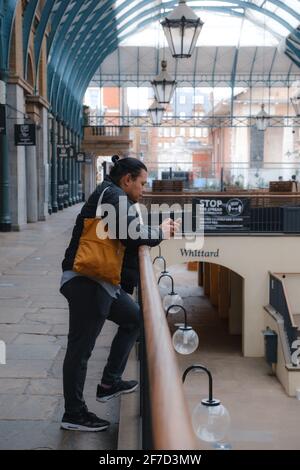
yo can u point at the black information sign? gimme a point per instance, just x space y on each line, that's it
80 157
63 150
25 134
88 159
224 214
2 120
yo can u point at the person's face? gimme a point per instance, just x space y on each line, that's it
134 187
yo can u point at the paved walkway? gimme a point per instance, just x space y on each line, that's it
34 324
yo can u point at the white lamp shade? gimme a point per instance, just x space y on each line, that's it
163 85
262 119
156 112
210 423
182 28
172 299
185 340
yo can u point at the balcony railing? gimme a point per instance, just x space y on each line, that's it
166 422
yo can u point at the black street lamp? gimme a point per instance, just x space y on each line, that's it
171 299
185 339
156 112
262 119
210 419
182 28
163 85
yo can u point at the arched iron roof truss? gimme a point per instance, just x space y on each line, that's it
84 32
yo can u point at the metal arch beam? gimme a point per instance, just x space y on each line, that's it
90 61
40 32
60 59
58 40
284 7
238 3
28 18
55 23
7 11
169 4
112 47
141 15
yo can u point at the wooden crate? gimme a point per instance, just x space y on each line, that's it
166 186
283 186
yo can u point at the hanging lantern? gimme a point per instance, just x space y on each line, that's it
163 85
182 28
262 119
156 112
296 104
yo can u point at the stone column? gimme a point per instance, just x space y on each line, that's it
60 138
17 165
70 183
54 166
43 166
5 215
31 184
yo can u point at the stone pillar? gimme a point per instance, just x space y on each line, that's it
236 304
73 168
17 165
70 175
36 109
60 139
54 166
49 163
5 214
31 184
43 166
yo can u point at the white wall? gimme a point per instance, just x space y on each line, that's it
252 258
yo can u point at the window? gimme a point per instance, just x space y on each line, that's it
198 99
182 99
182 114
182 131
166 132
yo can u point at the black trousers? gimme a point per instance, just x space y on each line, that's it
89 306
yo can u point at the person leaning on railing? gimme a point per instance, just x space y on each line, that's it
94 297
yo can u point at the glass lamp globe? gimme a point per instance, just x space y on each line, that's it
210 423
172 299
185 340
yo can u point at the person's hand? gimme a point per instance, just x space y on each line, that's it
170 227
176 225
167 228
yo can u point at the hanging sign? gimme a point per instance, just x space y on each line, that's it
80 157
2 119
88 159
25 135
63 150
224 214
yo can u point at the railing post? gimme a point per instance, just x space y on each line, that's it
145 411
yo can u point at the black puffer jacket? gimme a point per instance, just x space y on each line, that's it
150 236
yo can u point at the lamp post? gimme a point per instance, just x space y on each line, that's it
296 104
185 339
210 418
172 299
156 112
182 28
262 119
163 85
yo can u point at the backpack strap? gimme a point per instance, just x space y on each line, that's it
98 210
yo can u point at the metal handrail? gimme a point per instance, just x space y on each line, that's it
279 301
171 426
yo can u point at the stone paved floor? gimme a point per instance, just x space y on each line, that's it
33 324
